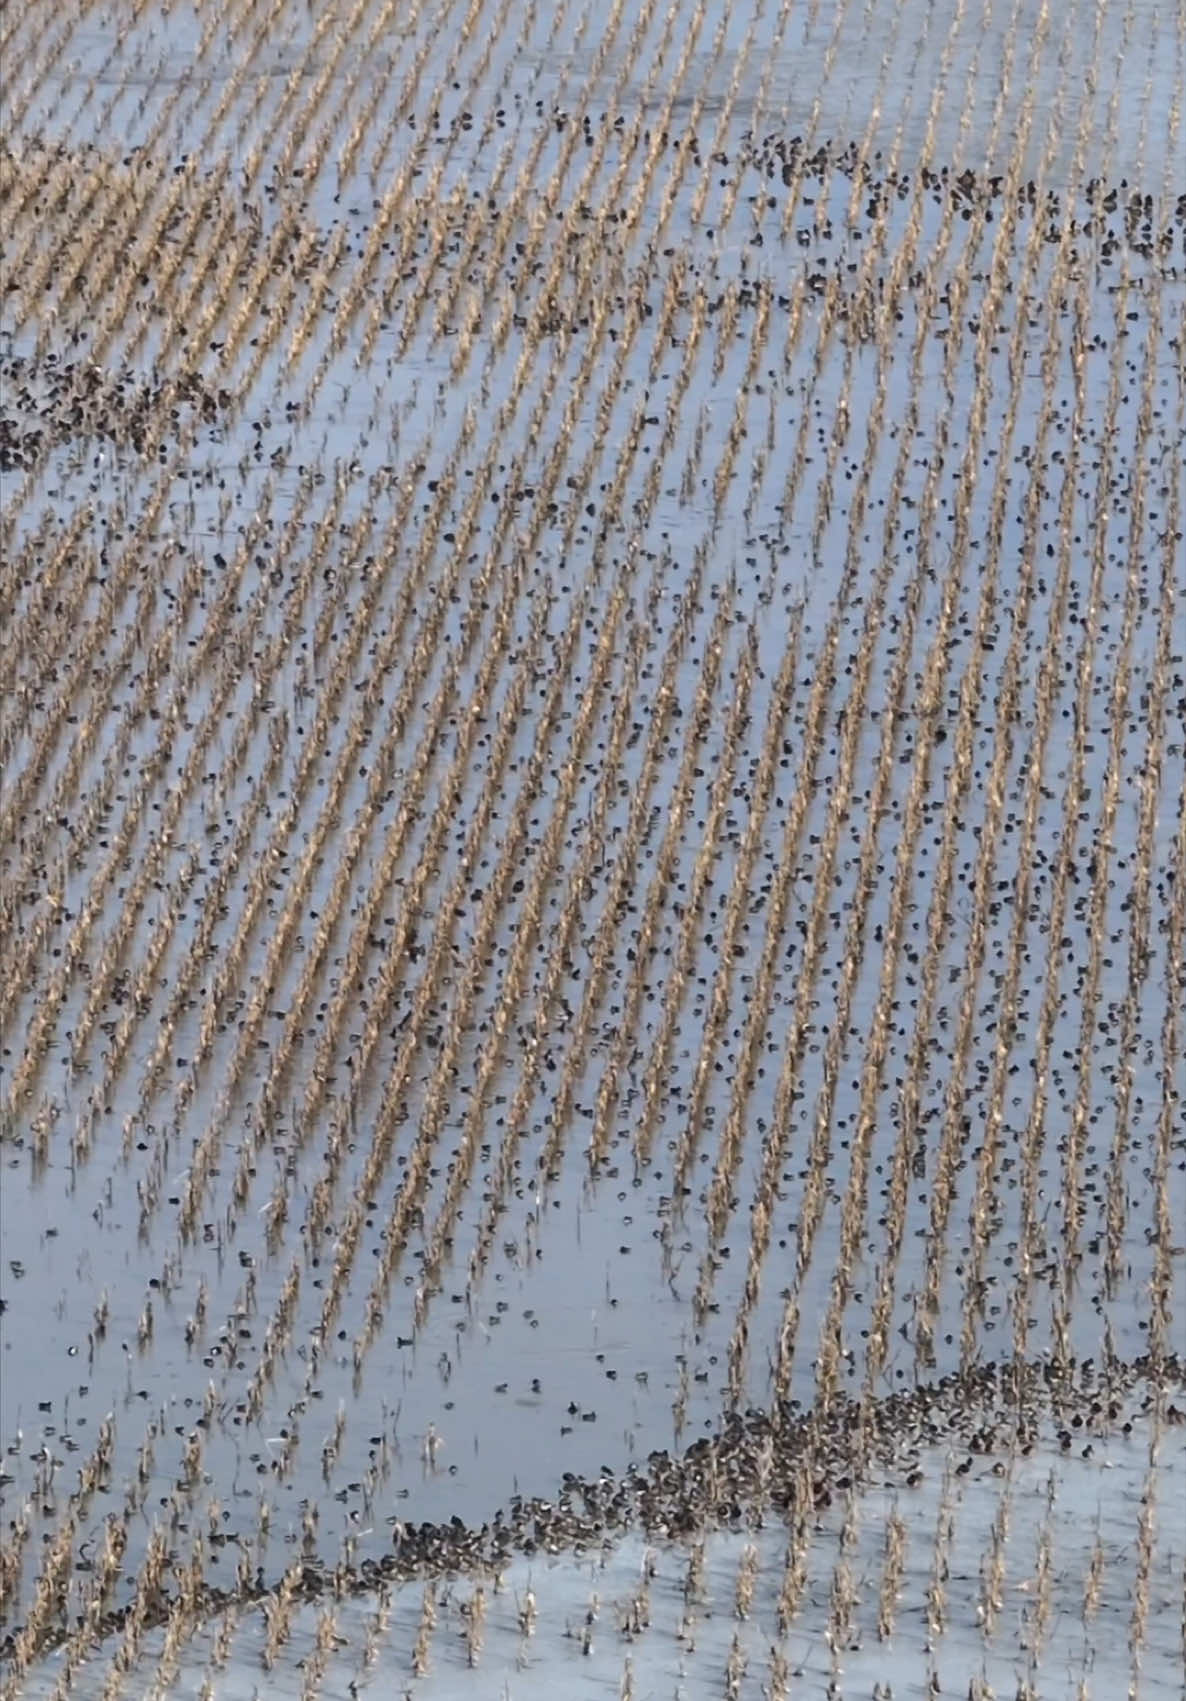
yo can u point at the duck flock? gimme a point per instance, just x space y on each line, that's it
592 849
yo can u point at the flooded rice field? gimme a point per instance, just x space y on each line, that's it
592 850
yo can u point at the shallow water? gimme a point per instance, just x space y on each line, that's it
1069 1519
949 423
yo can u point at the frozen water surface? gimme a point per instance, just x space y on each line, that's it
677 1618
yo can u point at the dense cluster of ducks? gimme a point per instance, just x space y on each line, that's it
1141 227
758 1464
50 402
